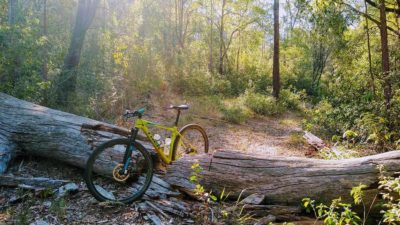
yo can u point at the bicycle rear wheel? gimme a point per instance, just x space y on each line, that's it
193 140
104 172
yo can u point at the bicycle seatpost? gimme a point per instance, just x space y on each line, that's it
177 117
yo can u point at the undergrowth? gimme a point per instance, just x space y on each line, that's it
342 213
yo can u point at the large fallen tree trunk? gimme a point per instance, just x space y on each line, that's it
30 129
26 128
282 180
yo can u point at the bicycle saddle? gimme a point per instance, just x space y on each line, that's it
179 107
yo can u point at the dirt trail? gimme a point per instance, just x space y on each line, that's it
278 136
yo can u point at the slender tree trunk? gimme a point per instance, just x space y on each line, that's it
66 84
12 11
221 39
369 51
12 21
181 22
275 73
211 63
45 52
387 89
238 54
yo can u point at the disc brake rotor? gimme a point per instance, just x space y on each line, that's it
117 176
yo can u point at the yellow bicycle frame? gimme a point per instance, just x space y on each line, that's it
143 125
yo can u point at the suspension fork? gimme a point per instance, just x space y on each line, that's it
129 148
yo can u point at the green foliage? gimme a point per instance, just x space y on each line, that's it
292 101
358 194
341 213
337 152
335 138
59 208
337 213
322 118
133 57
375 129
390 188
235 114
199 189
262 104
231 215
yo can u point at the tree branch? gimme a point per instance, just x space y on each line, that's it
387 9
377 22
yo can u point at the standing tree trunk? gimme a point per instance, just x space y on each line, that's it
369 50
387 89
13 9
221 39
211 63
66 84
238 54
275 71
45 52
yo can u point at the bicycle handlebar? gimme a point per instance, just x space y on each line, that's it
129 114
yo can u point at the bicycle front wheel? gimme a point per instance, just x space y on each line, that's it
192 140
108 179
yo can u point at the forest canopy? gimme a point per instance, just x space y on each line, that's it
339 60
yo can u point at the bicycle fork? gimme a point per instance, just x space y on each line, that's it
128 152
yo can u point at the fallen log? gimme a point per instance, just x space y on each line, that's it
30 129
283 181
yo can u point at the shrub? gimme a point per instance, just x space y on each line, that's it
389 187
322 119
235 114
197 83
291 100
261 104
221 86
375 129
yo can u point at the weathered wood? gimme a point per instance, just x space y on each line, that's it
282 180
276 210
314 141
13 181
30 129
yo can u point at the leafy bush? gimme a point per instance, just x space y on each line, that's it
322 119
390 189
375 129
261 104
235 114
197 84
221 86
291 100
339 212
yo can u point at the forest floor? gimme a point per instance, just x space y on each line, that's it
279 136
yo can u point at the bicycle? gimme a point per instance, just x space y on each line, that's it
122 169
